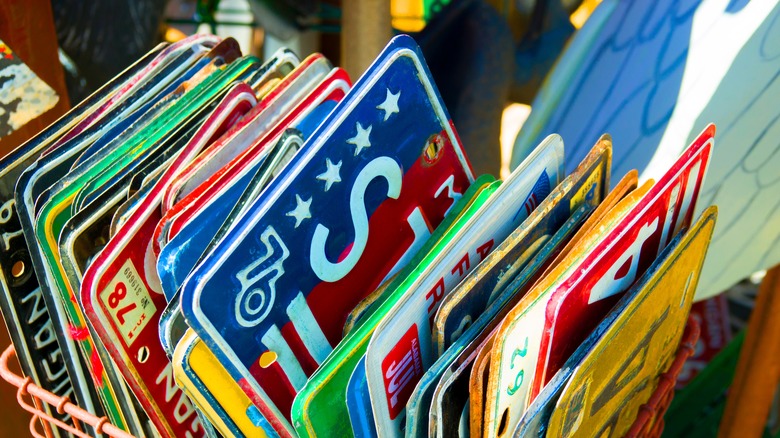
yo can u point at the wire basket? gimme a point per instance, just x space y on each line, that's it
30 397
649 421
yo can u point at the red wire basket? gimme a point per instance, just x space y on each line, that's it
649 421
28 392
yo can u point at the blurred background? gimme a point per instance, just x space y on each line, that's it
486 55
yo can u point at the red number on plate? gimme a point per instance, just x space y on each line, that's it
120 291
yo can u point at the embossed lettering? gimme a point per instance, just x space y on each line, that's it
53 376
258 281
463 266
196 427
39 308
170 384
435 295
608 285
399 374
285 357
183 409
7 236
449 184
484 249
45 335
521 352
7 211
382 167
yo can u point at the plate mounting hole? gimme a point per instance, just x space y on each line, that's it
433 146
17 270
504 421
143 354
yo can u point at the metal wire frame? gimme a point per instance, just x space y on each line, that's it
79 417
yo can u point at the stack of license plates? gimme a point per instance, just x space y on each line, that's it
214 245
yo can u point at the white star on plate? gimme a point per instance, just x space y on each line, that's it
301 211
390 105
331 175
360 140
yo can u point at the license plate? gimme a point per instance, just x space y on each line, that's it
395 350
588 295
238 102
322 391
523 344
82 237
480 370
620 372
264 81
274 106
332 262
463 205
576 252
214 209
368 305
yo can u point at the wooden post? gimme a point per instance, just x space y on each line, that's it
365 31
27 27
758 369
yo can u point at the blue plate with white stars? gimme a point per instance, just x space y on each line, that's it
365 192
